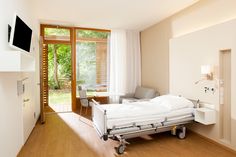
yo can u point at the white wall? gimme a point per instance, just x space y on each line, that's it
155 45
11 128
155 40
187 54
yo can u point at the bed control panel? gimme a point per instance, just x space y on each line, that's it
205 116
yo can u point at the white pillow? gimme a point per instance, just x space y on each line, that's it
173 102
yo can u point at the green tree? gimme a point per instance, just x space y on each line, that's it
55 63
59 58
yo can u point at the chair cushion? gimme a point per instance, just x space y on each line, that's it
128 100
144 93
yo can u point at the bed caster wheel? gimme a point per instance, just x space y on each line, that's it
120 149
105 137
180 134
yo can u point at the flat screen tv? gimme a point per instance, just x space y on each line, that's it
21 35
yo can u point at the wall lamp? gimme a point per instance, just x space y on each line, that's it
206 72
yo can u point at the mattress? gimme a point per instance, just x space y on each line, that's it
143 113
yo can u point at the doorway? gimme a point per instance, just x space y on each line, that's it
62 46
56 70
59 77
225 95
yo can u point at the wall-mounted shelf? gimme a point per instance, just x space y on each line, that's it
16 61
205 116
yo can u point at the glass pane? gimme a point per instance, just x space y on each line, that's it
91 34
86 64
91 58
57 34
59 77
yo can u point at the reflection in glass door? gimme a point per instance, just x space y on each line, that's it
91 60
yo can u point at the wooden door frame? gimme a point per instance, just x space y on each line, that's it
226 102
73 62
73 58
72 42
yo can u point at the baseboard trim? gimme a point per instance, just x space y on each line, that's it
214 142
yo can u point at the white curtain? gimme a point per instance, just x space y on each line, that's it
133 57
125 64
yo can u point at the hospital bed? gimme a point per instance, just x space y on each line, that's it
124 121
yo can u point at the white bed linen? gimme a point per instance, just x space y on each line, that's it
173 102
137 109
142 113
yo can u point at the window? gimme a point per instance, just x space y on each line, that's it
91 59
57 34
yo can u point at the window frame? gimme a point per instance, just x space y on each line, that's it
95 40
71 42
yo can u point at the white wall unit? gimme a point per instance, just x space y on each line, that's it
16 61
205 116
11 132
28 109
12 69
18 118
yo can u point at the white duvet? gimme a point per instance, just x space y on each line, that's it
158 105
137 109
155 110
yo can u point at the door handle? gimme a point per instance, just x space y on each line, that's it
26 100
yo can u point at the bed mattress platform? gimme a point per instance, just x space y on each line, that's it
109 124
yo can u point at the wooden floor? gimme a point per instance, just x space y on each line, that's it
67 135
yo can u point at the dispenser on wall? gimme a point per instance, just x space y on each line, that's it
21 86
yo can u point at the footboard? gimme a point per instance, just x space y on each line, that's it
99 120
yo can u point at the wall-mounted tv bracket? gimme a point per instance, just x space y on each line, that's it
9 33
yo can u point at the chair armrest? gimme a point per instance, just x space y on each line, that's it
129 95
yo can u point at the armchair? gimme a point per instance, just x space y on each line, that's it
140 94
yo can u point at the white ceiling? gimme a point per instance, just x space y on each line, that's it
107 14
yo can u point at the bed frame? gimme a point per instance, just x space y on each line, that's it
122 133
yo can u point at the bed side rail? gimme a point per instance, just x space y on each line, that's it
99 119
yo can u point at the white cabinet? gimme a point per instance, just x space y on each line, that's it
16 61
205 116
28 110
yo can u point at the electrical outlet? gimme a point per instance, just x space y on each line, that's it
206 89
211 89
